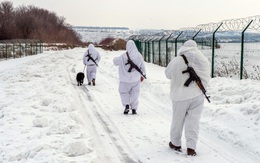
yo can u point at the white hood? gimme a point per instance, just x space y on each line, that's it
121 61
132 50
189 45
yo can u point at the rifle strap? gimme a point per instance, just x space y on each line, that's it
88 55
128 56
185 60
131 66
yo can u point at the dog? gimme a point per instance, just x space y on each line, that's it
80 78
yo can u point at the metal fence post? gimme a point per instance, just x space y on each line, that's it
6 51
196 34
242 50
36 47
213 50
167 50
14 50
20 49
149 51
160 51
144 50
153 49
176 43
141 47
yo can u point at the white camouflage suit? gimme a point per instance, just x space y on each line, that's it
187 102
129 86
91 66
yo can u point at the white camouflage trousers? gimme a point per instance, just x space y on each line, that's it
188 113
91 72
129 93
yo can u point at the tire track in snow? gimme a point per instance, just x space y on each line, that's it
106 124
113 133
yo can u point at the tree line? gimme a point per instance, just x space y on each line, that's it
30 22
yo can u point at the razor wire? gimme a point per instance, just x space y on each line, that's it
232 24
226 25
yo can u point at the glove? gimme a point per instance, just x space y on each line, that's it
142 78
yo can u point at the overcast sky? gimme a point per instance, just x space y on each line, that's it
146 14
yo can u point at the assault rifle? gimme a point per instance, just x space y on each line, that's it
194 77
90 58
133 65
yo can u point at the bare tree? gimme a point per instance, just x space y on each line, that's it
30 22
6 20
25 22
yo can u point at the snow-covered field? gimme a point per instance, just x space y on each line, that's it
46 117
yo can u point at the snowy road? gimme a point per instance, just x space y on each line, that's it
63 122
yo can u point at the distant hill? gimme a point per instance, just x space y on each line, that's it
98 28
96 34
231 36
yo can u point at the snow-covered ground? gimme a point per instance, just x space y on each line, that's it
46 117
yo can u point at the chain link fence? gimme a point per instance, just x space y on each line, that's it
19 48
232 46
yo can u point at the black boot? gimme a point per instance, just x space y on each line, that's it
89 83
133 111
176 148
191 152
126 109
93 81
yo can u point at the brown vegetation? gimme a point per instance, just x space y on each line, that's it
110 43
29 22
